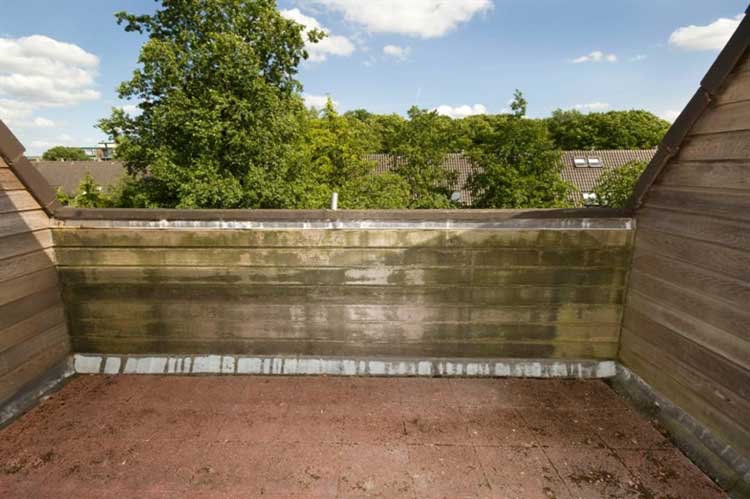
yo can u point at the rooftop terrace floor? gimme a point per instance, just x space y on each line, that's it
152 436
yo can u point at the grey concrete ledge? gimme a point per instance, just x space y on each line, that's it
566 224
334 366
30 395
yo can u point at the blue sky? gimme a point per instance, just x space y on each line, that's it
60 61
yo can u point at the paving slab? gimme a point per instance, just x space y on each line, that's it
308 437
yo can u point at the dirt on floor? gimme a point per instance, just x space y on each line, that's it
278 437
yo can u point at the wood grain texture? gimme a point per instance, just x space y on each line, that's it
686 321
33 332
480 292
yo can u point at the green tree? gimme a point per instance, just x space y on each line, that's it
89 194
62 153
221 112
337 146
519 104
423 142
612 130
517 166
615 187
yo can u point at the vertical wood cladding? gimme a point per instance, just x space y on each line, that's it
686 328
472 293
33 334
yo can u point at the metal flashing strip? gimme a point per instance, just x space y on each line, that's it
337 366
511 224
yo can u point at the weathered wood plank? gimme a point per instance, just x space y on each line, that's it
18 223
717 147
702 282
722 175
358 239
3 164
245 313
730 380
18 355
114 345
730 262
31 326
676 296
177 329
31 370
726 118
726 345
703 228
727 204
315 257
679 388
380 295
736 89
19 266
9 181
345 276
28 242
14 201
27 284
20 310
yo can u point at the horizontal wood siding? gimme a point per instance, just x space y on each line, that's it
686 327
33 332
471 292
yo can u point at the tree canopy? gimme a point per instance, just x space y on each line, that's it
220 107
615 187
612 130
517 166
62 153
222 124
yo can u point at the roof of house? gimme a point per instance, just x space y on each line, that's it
67 175
583 177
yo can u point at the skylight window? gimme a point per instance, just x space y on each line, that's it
580 162
595 162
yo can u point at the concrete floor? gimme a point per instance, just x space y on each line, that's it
339 437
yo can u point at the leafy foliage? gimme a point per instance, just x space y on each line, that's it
221 112
423 143
88 195
613 130
616 186
62 153
518 167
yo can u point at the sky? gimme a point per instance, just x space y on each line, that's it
61 61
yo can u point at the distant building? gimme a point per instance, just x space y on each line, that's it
67 175
104 151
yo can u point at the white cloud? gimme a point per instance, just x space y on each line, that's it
400 53
669 115
40 122
39 72
330 45
461 111
592 106
420 18
595 56
317 101
710 37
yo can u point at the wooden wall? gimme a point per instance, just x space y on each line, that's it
33 336
686 327
409 292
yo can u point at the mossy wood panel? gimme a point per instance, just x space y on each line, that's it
686 322
486 293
